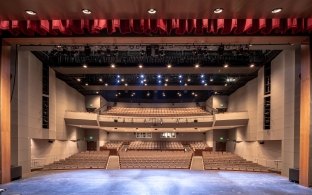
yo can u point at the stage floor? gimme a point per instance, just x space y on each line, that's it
139 182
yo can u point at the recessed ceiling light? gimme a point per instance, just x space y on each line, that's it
151 11
252 65
225 65
276 10
218 10
169 66
85 66
78 79
86 11
30 12
113 66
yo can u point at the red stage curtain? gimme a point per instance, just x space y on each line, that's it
158 27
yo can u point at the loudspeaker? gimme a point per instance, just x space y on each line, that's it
294 175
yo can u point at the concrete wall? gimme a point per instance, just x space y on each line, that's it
28 111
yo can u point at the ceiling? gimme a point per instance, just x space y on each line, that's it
166 9
141 73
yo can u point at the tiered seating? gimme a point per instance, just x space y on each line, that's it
198 145
113 145
141 145
157 112
83 160
155 160
229 161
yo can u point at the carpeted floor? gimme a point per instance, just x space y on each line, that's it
160 182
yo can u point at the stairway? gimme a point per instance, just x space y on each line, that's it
197 163
113 162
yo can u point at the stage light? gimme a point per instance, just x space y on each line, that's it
169 66
142 76
97 92
276 10
188 80
196 65
218 10
152 11
86 11
140 66
86 84
30 12
122 80
118 76
78 79
85 66
180 76
211 79
159 76
252 65
225 65
202 76
113 66
100 80
106 84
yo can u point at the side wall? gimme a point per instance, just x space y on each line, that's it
277 147
32 139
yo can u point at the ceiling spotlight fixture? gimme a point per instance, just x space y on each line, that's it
276 10
126 84
30 12
151 11
97 92
86 84
145 84
100 79
140 66
106 84
215 92
167 80
113 66
188 80
252 65
218 10
196 65
78 79
166 84
122 80
169 66
211 80
85 66
86 11
185 84
205 84
225 65
159 76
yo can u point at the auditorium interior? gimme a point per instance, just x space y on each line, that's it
155 97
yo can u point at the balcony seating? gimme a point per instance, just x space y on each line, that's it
198 145
83 160
229 161
155 160
156 112
112 145
150 145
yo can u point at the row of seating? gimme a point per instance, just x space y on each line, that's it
153 145
82 160
198 145
112 145
229 161
156 112
155 159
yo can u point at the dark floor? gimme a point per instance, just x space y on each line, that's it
139 182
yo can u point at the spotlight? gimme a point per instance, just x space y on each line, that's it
126 84
169 66
225 65
113 66
159 76
118 76
100 79
85 66
106 84
30 12
185 84
78 79
211 79
205 84
140 66
167 80
142 76
196 65
86 84
97 92
188 80
122 80
218 10
202 76
276 10
180 76
252 65
86 11
151 11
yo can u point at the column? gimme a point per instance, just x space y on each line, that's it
5 112
305 117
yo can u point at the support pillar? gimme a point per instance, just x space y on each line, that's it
5 114
305 164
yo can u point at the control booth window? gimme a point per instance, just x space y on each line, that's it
168 135
143 135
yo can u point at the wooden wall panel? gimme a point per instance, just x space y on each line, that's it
5 116
305 116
